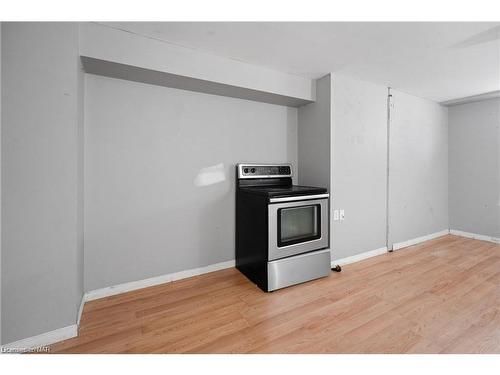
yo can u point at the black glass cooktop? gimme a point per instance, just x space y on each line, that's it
283 191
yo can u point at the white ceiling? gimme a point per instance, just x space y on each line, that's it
439 61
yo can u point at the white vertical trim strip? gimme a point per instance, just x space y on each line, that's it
390 104
80 311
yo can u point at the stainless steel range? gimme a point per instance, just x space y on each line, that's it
282 230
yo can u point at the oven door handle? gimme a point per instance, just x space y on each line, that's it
298 198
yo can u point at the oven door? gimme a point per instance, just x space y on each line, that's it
297 225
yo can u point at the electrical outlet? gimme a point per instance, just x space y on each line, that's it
342 215
335 215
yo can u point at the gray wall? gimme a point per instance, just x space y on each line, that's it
418 184
0 183
41 290
474 173
148 210
352 129
359 166
314 137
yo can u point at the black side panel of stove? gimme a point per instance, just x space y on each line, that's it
251 237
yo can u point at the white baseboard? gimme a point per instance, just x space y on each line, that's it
134 285
415 241
72 331
475 236
358 257
43 339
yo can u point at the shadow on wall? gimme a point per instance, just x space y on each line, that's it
216 224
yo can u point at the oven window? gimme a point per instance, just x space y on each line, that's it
298 224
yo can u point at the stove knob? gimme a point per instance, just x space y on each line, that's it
252 170
245 170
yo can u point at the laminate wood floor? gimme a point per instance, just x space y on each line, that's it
442 296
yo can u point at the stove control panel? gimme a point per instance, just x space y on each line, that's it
264 170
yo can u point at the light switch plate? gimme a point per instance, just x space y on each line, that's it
335 215
342 215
